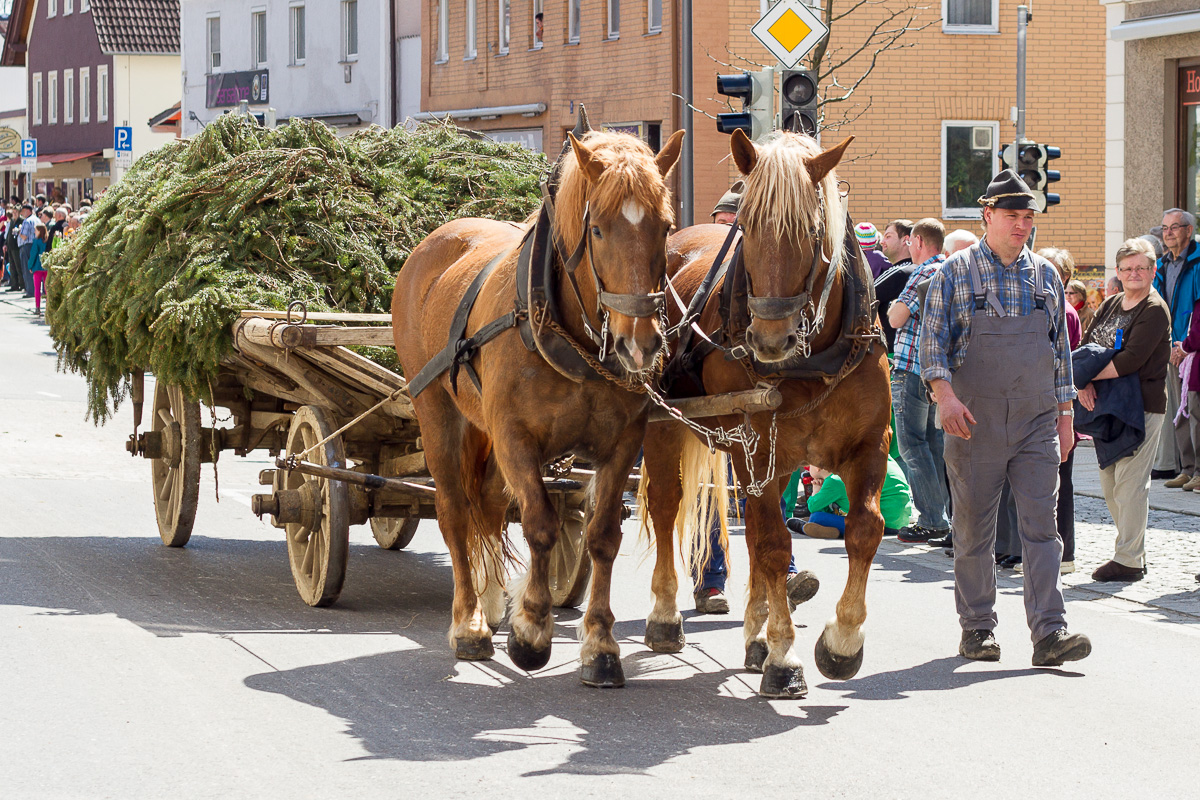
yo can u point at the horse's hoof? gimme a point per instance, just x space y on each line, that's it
783 682
664 637
474 649
525 656
604 672
756 656
833 666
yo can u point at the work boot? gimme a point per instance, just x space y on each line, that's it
711 601
801 587
1061 646
979 645
1179 481
919 534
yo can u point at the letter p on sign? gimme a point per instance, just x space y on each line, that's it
123 139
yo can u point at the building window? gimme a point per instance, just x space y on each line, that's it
968 164
296 33
68 96
573 21
37 98
51 8
68 7
85 90
214 44
970 16
613 19
349 30
102 93
653 16
539 24
258 37
470 50
443 32
85 5
52 98
505 18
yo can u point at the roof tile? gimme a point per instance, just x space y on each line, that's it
137 26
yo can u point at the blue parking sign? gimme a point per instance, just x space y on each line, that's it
123 139
29 148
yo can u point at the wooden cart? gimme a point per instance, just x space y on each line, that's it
291 384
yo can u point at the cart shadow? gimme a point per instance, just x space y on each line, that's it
433 709
219 585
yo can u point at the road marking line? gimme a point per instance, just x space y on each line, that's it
50 394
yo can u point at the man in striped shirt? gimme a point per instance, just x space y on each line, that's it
994 350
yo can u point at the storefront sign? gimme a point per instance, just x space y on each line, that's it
230 88
529 138
1189 78
10 142
100 167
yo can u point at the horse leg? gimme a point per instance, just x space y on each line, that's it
449 444
600 655
664 492
755 621
783 674
531 620
490 569
839 650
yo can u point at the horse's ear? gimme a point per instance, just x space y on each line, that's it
588 162
667 157
745 154
822 165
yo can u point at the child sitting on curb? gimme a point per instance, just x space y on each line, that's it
829 501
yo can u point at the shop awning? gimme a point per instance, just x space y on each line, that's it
1158 25
48 159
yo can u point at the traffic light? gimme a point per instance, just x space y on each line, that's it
798 101
1028 159
756 90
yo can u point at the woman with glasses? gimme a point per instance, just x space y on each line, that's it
1137 324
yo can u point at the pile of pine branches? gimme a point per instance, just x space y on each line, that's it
245 217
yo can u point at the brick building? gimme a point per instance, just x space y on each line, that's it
938 106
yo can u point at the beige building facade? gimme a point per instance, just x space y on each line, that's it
928 120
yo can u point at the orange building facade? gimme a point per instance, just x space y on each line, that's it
929 118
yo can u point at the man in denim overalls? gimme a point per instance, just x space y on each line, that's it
994 352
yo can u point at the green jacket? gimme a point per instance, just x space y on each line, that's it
895 502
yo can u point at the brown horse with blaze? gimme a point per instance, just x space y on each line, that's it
794 221
486 444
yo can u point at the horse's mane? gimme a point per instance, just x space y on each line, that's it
781 201
630 174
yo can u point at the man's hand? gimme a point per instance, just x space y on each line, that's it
1087 397
1066 435
955 417
1177 354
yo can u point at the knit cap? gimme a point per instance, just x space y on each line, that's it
867 235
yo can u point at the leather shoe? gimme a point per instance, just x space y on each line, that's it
945 541
802 586
1112 571
979 645
1191 485
1061 646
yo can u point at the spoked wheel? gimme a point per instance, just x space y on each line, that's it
394 533
318 544
570 564
175 463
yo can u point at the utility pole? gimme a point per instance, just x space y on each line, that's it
686 185
1023 17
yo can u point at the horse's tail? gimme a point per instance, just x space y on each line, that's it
703 474
487 553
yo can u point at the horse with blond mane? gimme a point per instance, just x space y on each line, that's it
792 308
554 362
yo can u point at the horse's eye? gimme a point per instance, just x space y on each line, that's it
596 232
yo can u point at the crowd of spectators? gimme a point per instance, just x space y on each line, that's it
28 230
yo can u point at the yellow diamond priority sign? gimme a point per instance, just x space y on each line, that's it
789 30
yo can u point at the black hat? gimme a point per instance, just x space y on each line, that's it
731 201
1008 191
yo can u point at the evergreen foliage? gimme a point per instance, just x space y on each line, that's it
244 217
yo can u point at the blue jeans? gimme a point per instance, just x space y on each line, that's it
921 447
715 572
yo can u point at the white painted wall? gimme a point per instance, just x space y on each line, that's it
317 87
142 87
13 86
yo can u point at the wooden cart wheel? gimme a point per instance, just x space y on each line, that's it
317 547
570 564
394 533
175 474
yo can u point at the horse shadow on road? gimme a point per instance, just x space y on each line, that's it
940 674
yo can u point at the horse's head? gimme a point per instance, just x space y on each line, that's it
616 186
793 223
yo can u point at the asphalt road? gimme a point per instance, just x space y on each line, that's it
129 670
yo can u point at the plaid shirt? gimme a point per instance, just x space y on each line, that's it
907 353
946 326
